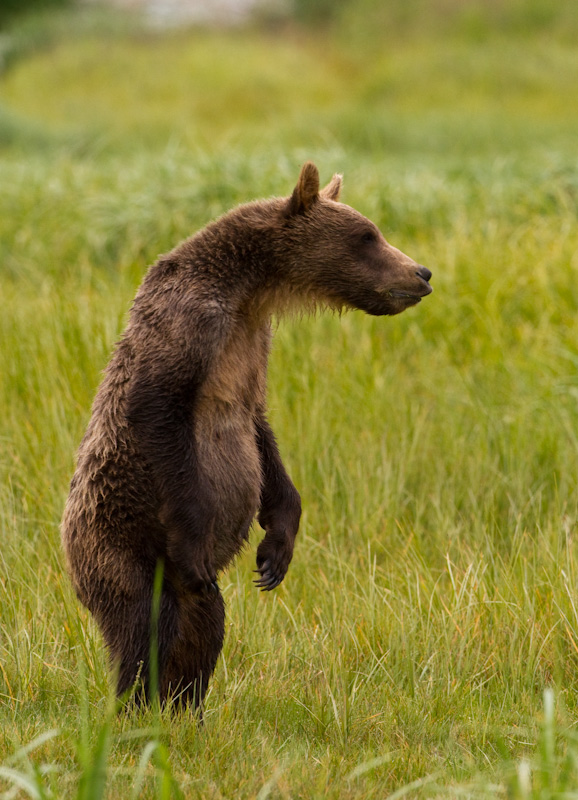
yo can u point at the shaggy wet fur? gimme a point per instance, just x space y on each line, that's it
179 457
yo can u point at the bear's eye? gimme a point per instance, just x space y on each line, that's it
368 237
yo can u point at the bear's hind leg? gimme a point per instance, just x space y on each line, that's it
195 649
128 638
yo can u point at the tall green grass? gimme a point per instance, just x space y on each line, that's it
425 641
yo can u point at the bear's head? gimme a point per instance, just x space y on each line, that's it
343 256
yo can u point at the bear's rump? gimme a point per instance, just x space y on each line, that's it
110 529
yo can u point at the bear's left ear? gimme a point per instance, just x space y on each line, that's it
333 189
306 192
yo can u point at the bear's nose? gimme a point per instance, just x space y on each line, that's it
423 272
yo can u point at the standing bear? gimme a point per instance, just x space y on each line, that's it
179 457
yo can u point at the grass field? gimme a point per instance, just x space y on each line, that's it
425 641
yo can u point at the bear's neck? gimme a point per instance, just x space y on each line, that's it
238 260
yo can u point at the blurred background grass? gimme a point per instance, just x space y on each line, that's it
432 598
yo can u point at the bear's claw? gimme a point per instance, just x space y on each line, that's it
209 587
268 579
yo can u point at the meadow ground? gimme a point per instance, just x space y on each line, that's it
425 641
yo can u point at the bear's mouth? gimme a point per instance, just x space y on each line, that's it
411 297
415 297
399 293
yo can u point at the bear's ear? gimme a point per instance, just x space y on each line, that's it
333 188
306 192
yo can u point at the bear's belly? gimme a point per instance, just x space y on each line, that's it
229 462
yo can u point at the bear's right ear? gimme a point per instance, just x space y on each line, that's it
333 188
306 192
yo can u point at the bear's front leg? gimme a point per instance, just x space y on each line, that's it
279 514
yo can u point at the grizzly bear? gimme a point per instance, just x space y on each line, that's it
178 457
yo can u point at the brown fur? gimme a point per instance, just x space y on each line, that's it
178 457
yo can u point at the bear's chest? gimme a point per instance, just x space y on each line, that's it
236 382
226 407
